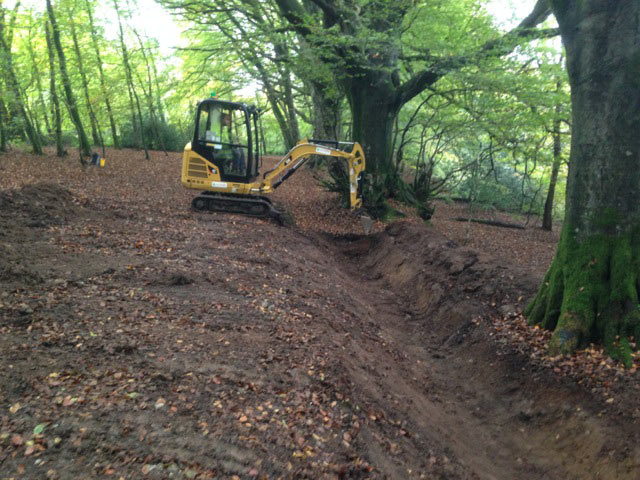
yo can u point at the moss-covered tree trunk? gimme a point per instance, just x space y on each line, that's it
590 293
14 97
326 111
374 108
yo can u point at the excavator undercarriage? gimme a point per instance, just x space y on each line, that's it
253 205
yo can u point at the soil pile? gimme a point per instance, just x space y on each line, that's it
437 276
26 214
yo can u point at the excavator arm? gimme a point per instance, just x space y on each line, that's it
304 149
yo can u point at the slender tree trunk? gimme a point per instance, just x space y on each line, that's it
149 96
291 120
57 113
590 293
3 121
36 75
16 102
85 84
132 89
290 109
287 135
157 90
547 217
85 147
103 83
34 118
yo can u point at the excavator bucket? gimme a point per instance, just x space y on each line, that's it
367 223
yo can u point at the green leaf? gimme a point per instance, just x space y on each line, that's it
39 429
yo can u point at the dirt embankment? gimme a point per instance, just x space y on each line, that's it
153 342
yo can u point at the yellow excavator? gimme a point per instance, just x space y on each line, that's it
224 158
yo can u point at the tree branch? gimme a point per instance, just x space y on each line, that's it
498 47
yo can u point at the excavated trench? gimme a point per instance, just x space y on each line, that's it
488 413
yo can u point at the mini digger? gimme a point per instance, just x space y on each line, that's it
223 161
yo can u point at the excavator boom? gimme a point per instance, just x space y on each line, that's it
298 156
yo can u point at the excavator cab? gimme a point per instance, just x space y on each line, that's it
226 135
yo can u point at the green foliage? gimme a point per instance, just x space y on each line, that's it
158 134
501 187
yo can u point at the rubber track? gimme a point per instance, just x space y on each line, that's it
252 205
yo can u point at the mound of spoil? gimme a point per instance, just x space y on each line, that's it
39 205
439 276
24 214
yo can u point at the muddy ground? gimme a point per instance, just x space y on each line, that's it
141 340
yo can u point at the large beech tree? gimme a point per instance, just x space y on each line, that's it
590 292
362 44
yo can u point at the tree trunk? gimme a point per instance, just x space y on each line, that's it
3 121
85 84
158 98
547 217
94 41
131 86
85 147
373 114
16 102
590 293
149 96
57 114
292 118
326 112
36 74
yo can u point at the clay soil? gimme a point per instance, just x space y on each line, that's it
139 339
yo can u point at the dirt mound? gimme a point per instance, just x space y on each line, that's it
438 277
23 214
38 205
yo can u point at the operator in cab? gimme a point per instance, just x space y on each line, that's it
232 151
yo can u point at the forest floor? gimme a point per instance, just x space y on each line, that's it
139 339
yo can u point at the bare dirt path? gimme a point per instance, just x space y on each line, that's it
141 340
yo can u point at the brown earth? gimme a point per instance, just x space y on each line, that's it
142 340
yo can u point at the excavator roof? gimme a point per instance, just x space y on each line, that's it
224 103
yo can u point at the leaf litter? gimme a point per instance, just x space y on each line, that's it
141 339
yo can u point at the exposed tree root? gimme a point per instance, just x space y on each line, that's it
590 294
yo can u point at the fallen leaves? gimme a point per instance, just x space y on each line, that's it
17 440
591 367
